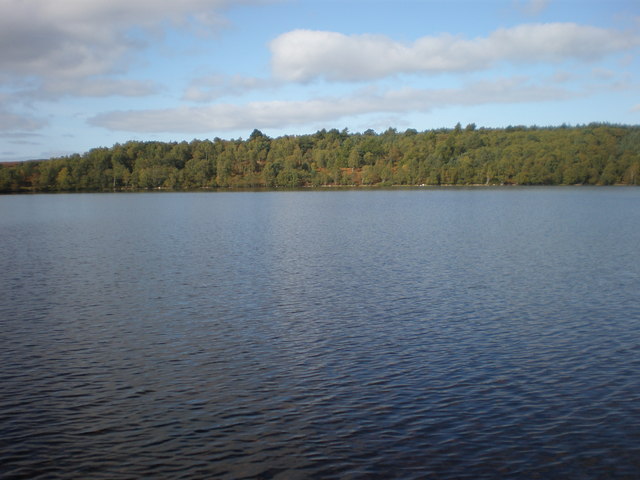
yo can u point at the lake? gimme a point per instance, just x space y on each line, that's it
421 333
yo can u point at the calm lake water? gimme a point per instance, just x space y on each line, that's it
435 333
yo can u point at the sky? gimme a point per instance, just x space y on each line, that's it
79 74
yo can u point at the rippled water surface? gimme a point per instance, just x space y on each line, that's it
480 333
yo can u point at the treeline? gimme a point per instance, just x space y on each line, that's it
595 154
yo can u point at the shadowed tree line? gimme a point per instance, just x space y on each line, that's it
594 154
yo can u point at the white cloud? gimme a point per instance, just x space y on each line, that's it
563 76
533 7
15 122
303 55
603 73
75 39
96 87
278 114
206 89
20 135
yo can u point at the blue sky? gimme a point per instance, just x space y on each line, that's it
78 74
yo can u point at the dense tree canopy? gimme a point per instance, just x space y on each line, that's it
595 154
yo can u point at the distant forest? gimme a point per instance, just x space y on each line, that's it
594 154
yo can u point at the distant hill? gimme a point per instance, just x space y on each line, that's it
594 154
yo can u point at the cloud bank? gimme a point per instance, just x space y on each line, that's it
534 7
66 41
10 121
305 55
278 114
207 89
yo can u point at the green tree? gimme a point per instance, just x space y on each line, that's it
64 180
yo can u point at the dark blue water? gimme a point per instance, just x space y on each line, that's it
450 334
